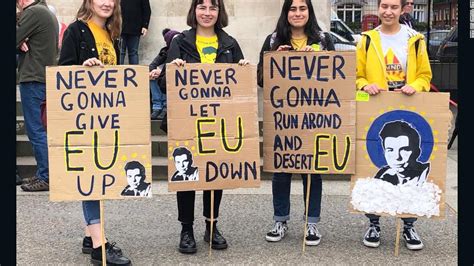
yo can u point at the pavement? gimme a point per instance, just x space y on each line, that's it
147 230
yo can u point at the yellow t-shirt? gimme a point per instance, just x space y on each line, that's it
105 47
207 48
298 44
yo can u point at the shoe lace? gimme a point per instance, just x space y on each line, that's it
313 230
277 228
412 234
373 232
111 246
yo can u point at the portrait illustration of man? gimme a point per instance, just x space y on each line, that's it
183 161
137 186
401 146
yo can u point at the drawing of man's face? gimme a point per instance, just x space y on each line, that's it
133 177
182 163
397 151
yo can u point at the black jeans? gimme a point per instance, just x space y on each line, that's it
186 205
377 217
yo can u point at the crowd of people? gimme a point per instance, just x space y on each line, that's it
105 30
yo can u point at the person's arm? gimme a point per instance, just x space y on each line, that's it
146 13
69 54
25 27
361 57
237 53
329 43
173 53
265 47
423 69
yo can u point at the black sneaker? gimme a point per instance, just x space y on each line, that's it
372 236
218 241
19 181
278 232
154 115
313 237
412 239
111 257
87 246
187 244
162 114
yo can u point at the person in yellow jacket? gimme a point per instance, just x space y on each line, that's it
392 57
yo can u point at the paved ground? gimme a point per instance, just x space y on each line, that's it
148 232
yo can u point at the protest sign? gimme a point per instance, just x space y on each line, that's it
309 112
401 154
212 127
98 132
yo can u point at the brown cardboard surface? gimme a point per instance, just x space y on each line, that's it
432 108
306 95
88 107
209 102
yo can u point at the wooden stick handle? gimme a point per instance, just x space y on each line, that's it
212 223
308 186
102 231
397 239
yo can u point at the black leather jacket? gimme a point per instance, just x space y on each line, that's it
183 46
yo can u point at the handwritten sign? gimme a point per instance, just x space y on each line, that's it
401 155
212 127
309 112
98 132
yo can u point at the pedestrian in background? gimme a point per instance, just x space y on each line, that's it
37 39
406 17
158 98
135 19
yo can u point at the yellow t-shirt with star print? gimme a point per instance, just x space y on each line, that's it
207 48
105 47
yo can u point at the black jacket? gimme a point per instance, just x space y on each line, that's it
79 45
408 20
326 44
135 16
183 46
159 59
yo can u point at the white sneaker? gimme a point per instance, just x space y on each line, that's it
313 237
277 233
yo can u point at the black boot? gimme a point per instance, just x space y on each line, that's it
218 241
187 244
87 246
111 257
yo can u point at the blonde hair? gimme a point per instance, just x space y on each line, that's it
113 23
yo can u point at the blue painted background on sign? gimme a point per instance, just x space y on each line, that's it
374 143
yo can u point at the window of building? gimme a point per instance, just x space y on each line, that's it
350 12
419 13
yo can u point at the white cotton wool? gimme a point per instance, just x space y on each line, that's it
372 195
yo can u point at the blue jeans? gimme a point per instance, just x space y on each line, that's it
281 186
32 94
91 210
158 99
130 43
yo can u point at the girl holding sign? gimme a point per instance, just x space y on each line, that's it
89 41
205 42
393 57
297 29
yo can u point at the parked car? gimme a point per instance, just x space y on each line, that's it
436 36
341 43
448 48
338 26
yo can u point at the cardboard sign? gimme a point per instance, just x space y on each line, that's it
212 127
309 112
401 155
98 132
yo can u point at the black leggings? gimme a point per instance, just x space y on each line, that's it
186 205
